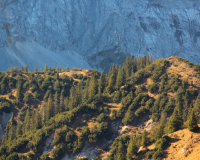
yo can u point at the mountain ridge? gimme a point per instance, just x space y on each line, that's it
88 28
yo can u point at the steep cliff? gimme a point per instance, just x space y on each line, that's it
92 27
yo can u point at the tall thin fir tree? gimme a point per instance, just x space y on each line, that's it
119 81
132 148
144 139
192 122
26 123
62 107
92 88
46 68
102 84
50 109
26 68
120 155
56 103
35 70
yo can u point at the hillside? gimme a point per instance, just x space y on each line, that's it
140 110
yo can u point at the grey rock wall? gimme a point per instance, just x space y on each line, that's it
89 27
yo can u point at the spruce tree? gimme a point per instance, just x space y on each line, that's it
26 68
120 155
62 107
19 131
37 120
26 123
144 139
50 109
102 84
132 148
175 121
35 70
119 81
192 122
46 68
92 88
10 129
56 104
111 84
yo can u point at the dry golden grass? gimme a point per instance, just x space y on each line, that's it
113 106
149 81
182 69
92 123
155 96
186 146
70 73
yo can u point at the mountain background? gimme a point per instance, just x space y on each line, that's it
96 33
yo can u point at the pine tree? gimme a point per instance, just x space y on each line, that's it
62 107
111 84
27 122
197 108
46 68
56 104
132 148
50 109
67 69
175 121
144 139
57 76
92 90
120 152
37 120
192 122
19 131
119 81
10 129
102 84
26 68
43 114
35 70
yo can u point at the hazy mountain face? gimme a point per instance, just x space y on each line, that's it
102 29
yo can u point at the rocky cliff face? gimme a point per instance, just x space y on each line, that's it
92 27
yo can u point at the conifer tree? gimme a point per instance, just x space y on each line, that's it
192 122
197 108
10 129
119 81
132 148
18 95
56 103
111 84
62 108
67 69
102 83
19 131
37 120
35 70
92 88
46 68
26 123
120 155
26 68
144 138
43 114
86 91
57 76
72 99
50 109
175 121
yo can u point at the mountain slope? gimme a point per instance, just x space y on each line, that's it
158 28
78 113
22 53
